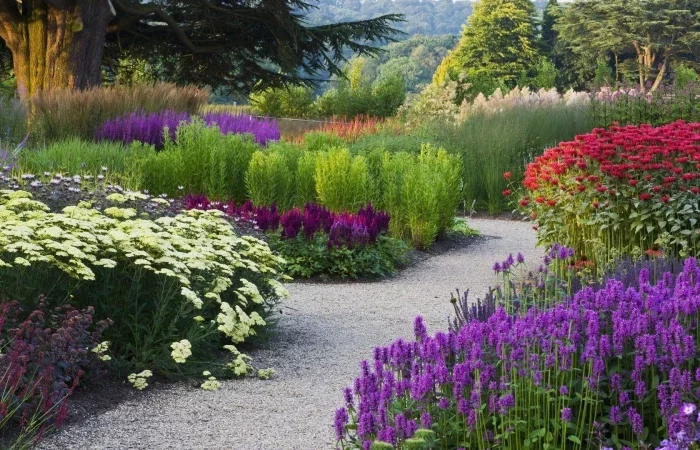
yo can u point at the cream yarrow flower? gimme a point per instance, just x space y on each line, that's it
211 384
181 351
138 380
101 349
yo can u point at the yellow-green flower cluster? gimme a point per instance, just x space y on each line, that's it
211 384
196 250
181 351
138 380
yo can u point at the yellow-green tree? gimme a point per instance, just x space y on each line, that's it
497 45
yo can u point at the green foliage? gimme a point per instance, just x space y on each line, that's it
269 180
644 38
318 141
496 46
290 101
118 163
342 181
358 95
173 279
387 143
684 76
306 179
421 193
306 259
200 160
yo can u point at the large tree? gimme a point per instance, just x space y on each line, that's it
653 33
61 43
497 45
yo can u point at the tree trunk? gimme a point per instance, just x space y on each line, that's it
58 44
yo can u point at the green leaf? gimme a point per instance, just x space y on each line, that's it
574 439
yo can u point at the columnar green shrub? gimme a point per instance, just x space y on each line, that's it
200 160
187 281
342 181
269 179
306 179
421 193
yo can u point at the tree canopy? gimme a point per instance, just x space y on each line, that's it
642 36
497 45
61 43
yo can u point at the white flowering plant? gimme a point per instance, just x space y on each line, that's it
188 279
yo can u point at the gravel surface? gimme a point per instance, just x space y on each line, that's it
324 332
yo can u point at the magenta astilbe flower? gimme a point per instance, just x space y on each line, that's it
291 222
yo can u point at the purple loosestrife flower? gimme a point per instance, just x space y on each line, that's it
263 130
139 126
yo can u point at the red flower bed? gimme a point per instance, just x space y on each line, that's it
629 188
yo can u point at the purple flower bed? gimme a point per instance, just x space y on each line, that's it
343 229
609 367
148 128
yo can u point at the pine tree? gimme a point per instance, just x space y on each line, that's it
496 46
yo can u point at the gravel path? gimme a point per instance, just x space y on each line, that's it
325 331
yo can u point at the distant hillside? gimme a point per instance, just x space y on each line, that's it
427 17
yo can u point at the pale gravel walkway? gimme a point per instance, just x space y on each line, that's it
325 332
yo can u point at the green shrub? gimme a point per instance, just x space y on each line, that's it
291 101
318 141
421 193
61 113
313 258
342 181
200 160
187 279
270 180
306 179
115 161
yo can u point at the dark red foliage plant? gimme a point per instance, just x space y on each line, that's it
44 355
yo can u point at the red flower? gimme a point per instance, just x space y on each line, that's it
596 205
694 190
539 199
633 182
656 188
507 175
506 193
601 189
551 202
665 199
645 196
524 202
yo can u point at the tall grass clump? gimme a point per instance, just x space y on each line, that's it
200 160
119 163
13 123
61 113
491 144
342 180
